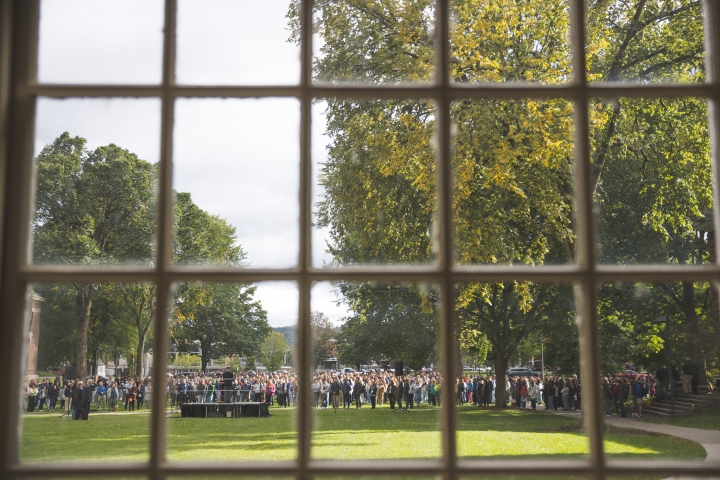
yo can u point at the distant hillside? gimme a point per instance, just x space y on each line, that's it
289 333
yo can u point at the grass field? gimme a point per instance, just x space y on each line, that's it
349 434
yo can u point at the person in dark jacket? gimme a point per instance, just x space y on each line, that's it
86 399
68 398
391 389
619 392
373 394
346 391
607 396
77 402
399 389
335 392
358 390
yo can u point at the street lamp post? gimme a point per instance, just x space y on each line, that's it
666 320
542 358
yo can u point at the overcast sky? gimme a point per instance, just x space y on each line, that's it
238 158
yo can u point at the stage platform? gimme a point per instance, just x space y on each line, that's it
216 410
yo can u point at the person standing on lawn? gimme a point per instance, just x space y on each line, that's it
399 388
373 393
131 396
392 388
380 391
638 394
114 396
347 392
86 399
619 397
77 400
68 397
101 395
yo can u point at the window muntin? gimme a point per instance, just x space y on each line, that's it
585 274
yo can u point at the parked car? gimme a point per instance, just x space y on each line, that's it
521 372
630 374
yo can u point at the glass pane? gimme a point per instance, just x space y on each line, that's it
374 189
235 42
510 41
518 345
513 163
375 374
382 43
653 337
236 178
652 181
101 42
96 181
232 386
645 41
89 358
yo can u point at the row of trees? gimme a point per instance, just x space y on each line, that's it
512 164
98 208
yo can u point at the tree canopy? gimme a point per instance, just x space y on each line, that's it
513 198
98 207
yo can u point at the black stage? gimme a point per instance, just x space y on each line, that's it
235 409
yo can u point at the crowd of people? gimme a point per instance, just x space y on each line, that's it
77 396
351 390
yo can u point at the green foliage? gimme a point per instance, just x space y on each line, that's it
272 351
98 207
323 337
220 318
389 322
202 238
512 163
186 360
290 334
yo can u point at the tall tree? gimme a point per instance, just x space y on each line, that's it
92 208
513 197
219 318
273 350
323 337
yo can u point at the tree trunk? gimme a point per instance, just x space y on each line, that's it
204 358
693 329
96 355
501 365
140 354
83 302
458 354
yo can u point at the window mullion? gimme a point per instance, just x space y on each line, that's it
24 17
164 247
586 291
445 237
304 417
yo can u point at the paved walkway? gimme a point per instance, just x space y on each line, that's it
709 439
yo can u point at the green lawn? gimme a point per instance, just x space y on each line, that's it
356 434
709 420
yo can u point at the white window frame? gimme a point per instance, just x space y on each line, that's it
18 93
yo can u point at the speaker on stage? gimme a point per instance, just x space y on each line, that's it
70 372
398 369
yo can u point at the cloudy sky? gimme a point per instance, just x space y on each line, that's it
238 158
